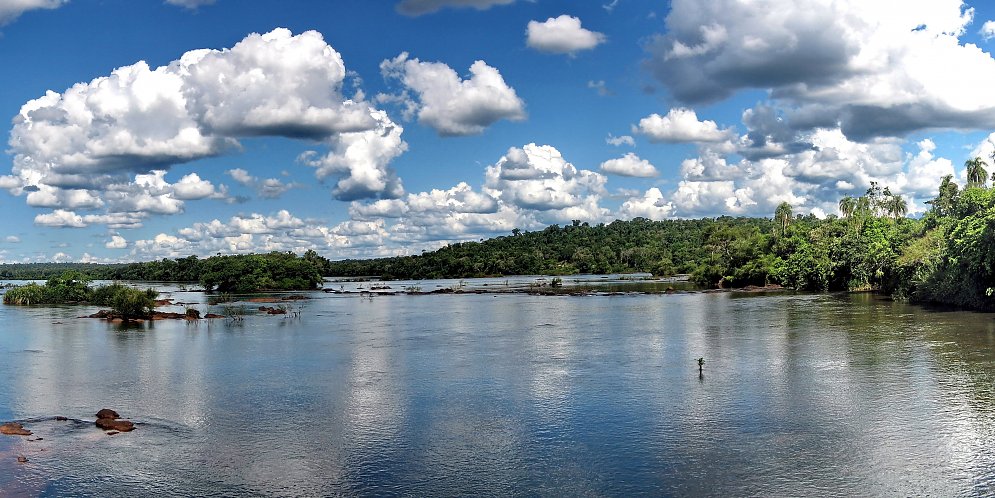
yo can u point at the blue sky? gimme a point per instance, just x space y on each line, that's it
363 128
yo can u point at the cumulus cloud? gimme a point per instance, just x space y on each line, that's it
12 239
651 205
874 68
988 30
420 7
527 188
60 218
680 125
95 145
629 165
11 10
361 161
449 104
116 242
281 231
192 187
538 178
720 180
561 35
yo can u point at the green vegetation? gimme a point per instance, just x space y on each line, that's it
947 256
73 287
275 271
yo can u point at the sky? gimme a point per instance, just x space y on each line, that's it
149 129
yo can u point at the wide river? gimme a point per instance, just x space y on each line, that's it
504 395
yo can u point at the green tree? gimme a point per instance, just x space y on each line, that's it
976 173
782 216
847 205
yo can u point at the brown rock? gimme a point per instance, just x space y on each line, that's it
111 433
14 429
109 424
107 413
22 459
60 418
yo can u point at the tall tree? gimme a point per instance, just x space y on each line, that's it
782 216
847 205
897 206
976 173
946 198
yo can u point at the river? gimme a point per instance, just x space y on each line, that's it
505 394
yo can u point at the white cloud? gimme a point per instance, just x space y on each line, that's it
361 161
190 4
620 140
281 232
680 125
629 165
988 30
878 68
419 7
451 105
561 35
192 187
538 178
241 176
116 242
651 205
99 145
60 218
12 9
13 239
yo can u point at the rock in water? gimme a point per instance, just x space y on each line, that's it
109 424
14 429
22 459
107 413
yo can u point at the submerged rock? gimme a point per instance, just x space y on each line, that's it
22 459
14 429
110 424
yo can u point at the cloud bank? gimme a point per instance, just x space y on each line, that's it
95 145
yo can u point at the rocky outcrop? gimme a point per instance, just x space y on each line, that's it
14 429
108 420
107 413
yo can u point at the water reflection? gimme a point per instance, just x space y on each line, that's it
508 395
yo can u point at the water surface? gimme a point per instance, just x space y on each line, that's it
507 394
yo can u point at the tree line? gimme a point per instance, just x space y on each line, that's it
947 256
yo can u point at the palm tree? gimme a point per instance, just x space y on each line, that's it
863 206
847 205
897 206
782 215
976 174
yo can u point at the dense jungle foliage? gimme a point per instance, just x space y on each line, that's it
947 256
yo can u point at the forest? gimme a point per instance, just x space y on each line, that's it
947 256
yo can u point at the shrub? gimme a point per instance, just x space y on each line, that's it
25 295
125 301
